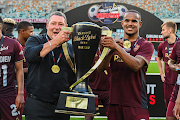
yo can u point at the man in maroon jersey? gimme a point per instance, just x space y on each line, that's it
11 56
128 98
25 29
100 82
169 78
174 104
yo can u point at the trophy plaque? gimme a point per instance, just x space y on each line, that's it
85 40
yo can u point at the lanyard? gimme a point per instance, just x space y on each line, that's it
2 38
53 53
168 46
137 40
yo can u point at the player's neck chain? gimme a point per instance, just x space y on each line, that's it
55 68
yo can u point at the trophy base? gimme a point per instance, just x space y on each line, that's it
76 103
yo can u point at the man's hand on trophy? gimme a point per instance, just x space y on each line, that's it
109 42
63 36
120 42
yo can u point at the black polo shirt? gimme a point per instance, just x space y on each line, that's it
41 81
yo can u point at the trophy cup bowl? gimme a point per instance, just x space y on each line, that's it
85 40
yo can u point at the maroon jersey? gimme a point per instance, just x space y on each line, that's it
174 93
171 76
175 55
128 88
10 53
100 81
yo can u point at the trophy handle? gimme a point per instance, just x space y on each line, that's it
68 59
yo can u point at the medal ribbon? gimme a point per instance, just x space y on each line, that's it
168 46
53 53
137 40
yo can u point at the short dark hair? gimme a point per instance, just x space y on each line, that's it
134 11
58 13
23 25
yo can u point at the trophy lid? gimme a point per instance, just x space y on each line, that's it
87 23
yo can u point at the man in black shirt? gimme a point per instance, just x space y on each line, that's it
48 70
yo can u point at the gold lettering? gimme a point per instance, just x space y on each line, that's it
116 57
83 47
166 55
83 42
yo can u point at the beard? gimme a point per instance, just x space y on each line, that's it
165 37
131 34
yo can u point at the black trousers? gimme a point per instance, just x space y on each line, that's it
38 110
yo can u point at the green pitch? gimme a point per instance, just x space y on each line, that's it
153 68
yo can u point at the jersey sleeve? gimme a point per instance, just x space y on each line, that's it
18 53
173 55
146 52
160 48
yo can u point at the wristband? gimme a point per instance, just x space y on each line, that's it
50 45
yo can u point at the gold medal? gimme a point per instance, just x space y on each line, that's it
127 44
55 69
169 61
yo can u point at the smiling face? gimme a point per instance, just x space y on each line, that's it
131 23
54 25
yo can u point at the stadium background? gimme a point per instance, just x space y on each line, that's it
37 12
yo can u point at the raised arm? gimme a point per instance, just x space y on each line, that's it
63 36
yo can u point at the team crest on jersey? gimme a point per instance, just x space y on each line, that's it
136 48
21 52
3 48
165 48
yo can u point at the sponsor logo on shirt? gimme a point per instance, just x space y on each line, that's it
117 58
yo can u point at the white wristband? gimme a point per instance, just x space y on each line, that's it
50 45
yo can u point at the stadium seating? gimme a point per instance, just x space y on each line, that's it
41 8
